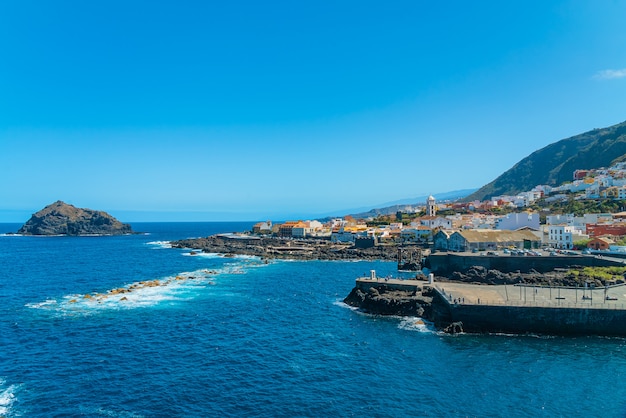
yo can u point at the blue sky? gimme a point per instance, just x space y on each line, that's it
241 110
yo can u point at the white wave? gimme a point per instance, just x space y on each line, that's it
246 257
416 324
7 397
342 304
160 244
199 253
146 293
42 305
140 294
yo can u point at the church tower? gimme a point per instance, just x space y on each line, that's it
431 207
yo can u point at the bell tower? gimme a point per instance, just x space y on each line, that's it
431 207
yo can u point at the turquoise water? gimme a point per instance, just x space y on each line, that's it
236 337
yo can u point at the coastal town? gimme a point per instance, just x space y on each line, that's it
502 223
548 272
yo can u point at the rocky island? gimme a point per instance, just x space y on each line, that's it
60 218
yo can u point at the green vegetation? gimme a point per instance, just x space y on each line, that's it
600 273
582 206
581 244
405 218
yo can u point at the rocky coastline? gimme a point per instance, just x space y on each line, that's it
282 248
382 299
385 300
419 301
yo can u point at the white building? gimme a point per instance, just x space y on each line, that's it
514 221
433 222
560 236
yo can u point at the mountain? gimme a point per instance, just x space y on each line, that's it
555 164
59 218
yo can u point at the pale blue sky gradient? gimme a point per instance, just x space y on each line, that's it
242 110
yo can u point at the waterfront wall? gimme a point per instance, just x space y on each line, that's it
447 263
533 319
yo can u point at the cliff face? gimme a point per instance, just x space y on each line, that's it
59 218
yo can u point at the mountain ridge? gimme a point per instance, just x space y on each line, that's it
555 163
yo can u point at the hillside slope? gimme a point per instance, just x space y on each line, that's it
554 164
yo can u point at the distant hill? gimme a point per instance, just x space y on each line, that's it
391 208
59 218
555 164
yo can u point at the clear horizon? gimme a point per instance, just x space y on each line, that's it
266 111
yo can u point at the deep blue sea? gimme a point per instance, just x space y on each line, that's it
235 337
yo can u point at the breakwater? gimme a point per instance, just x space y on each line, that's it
499 308
528 317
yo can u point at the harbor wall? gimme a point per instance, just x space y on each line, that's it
533 319
446 263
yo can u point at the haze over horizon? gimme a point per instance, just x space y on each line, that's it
252 111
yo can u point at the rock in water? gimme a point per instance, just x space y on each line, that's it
60 218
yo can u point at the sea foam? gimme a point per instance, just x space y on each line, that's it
138 294
7 397
160 244
146 293
416 324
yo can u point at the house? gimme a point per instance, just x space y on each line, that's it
262 227
514 221
417 234
610 193
346 236
600 243
489 239
300 229
564 236
285 230
597 230
441 239
433 222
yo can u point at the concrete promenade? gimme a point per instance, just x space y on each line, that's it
613 297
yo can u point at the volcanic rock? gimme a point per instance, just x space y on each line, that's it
59 218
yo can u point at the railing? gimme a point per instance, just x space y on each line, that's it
585 302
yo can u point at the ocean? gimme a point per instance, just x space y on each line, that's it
209 336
